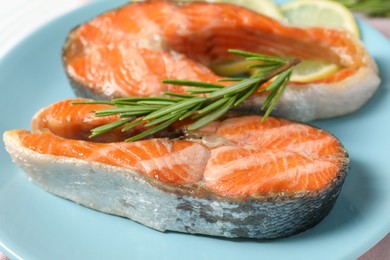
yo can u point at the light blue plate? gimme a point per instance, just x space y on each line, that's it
37 225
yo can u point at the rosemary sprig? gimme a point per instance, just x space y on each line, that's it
369 7
204 103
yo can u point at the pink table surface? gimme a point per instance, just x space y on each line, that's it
381 251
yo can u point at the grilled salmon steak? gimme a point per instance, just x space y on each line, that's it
130 50
234 178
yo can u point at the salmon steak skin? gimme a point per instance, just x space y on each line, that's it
235 177
129 51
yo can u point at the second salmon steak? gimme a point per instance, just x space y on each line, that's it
130 50
234 178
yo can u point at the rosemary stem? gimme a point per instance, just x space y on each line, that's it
203 103
289 64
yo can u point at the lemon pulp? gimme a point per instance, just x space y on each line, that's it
320 13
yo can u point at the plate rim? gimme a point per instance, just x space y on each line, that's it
370 243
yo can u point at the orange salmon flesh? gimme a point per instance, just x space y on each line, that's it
130 50
234 157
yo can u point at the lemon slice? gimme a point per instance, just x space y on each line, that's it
311 70
233 68
265 7
321 13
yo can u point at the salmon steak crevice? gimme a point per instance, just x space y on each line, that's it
236 177
130 50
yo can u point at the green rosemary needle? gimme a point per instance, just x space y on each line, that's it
204 103
369 7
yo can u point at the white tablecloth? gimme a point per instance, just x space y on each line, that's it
20 17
